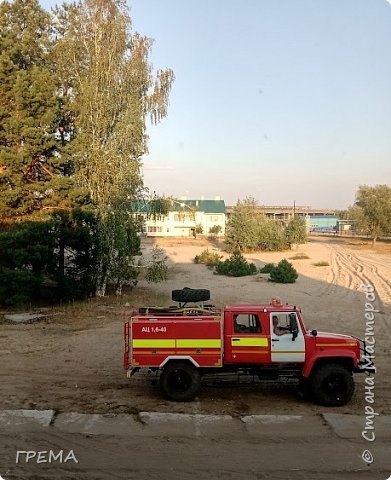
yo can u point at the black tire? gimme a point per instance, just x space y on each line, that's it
332 385
190 295
180 381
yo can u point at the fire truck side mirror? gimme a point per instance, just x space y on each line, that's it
294 328
314 333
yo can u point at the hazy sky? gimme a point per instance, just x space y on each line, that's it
279 99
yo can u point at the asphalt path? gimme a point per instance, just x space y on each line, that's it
173 446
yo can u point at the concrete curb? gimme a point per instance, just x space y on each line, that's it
354 426
194 425
181 424
285 426
25 419
97 424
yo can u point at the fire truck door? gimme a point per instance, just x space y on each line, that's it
247 343
284 348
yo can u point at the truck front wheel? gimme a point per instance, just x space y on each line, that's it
332 385
180 381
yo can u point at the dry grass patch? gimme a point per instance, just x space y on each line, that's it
299 256
98 311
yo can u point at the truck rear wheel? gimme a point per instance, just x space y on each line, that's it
180 381
190 295
332 385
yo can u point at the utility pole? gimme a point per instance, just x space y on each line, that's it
294 208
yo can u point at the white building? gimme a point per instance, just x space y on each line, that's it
188 217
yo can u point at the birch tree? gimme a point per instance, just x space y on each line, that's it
114 92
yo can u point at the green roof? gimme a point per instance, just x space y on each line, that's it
140 206
206 206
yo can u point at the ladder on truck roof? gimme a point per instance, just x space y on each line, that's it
175 311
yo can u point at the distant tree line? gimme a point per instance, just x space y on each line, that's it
248 230
76 92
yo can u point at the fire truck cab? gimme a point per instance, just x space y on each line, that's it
267 341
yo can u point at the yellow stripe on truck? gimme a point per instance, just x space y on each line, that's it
153 343
249 342
198 343
179 343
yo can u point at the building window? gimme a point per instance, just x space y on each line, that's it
155 229
182 217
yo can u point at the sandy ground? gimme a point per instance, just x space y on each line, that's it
72 360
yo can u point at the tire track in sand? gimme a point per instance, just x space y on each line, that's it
370 271
350 270
342 276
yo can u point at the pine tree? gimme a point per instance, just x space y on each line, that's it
33 174
76 89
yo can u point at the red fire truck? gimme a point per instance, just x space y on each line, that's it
267 341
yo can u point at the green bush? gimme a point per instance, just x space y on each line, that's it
236 266
18 286
208 258
296 231
215 230
199 229
157 270
249 230
284 272
47 259
270 235
267 268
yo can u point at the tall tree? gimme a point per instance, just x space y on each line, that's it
31 170
114 91
242 233
375 209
